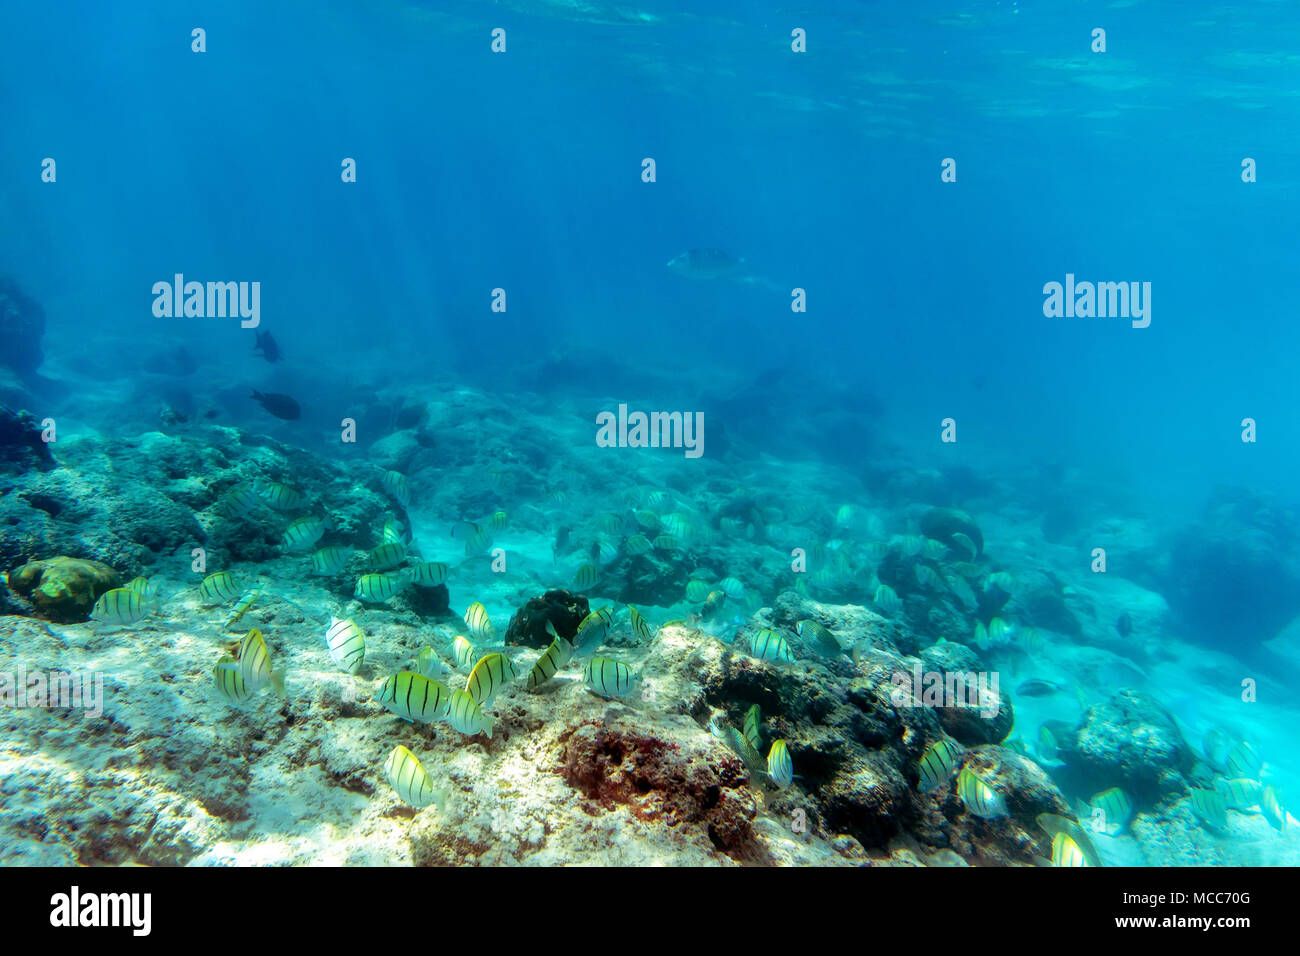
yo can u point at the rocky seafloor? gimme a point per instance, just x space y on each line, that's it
172 773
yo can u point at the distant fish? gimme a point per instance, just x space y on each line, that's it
705 264
586 578
279 405
1038 687
142 586
1124 624
1242 761
270 350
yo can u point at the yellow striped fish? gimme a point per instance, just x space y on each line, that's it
255 664
696 591
218 587
464 651
767 645
586 577
1070 844
386 556
278 496
250 598
407 776
330 560
636 544
1240 793
1116 810
1244 762
938 764
376 588
610 523
238 501
303 533
392 530
1209 808
740 744
780 769
980 799
753 725
477 538
886 598
826 642
429 574
559 653
346 643
732 588
476 618
667 542
395 483
142 586
1271 805
592 630
609 678
713 603
467 717
228 679
119 606
639 625
429 664
499 521
490 674
416 698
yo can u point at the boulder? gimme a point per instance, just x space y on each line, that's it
63 589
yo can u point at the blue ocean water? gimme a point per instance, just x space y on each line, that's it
821 170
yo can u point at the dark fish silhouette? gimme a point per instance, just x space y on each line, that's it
270 350
281 406
1124 625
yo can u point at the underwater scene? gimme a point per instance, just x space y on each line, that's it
638 433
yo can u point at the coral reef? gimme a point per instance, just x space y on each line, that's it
63 589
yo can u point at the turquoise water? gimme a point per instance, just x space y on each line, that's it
855 330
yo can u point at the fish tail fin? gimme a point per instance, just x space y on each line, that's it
440 800
277 682
488 724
